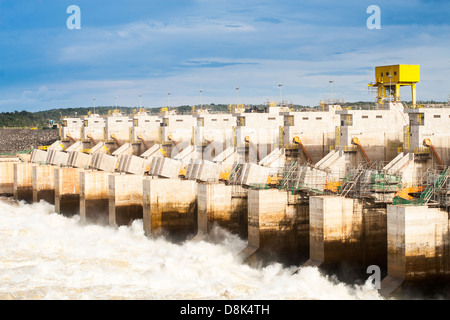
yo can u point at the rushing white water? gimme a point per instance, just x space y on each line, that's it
44 255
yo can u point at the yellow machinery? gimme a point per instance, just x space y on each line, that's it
240 108
113 136
224 175
332 186
427 142
392 78
70 137
297 140
356 142
404 193
92 138
140 137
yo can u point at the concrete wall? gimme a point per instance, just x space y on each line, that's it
181 128
316 130
57 158
217 128
7 176
23 181
71 126
219 206
79 160
147 126
380 132
273 229
119 126
38 156
94 196
93 125
43 183
347 236
263 129
170 208
67 191
430 123
125 198
418 249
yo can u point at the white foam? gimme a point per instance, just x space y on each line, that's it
44 255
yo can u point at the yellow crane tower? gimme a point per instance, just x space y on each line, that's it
393 77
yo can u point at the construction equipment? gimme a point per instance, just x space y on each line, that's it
113 136
297 140
287 174
235 174
427 142
427 193
356 142
405 193
349 182
392 78
332 186
92 139
71 138
140 137
163 152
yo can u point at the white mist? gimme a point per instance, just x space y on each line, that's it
44 255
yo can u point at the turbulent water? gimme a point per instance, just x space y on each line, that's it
44 255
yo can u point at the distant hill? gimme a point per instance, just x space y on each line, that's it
42 119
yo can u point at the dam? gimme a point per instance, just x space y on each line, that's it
335 188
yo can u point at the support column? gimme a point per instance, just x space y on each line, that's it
7 176
94 196
413 94
334 230
217 205
272 229
44 183
418 251
23 181
347 236
170 208
125 198
397 92
67 191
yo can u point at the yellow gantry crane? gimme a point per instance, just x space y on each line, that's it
392 78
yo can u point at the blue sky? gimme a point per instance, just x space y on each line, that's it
154 47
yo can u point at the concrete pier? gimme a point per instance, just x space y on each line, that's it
418 247
44 183
170 208
7 176
94 196
67 191
23 181
221 205
125 198
347 236
277 229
